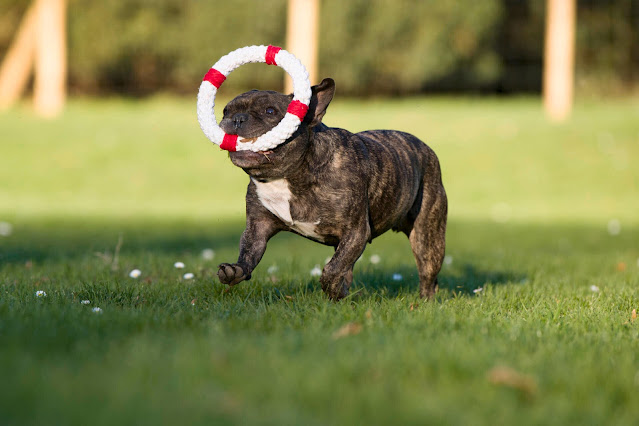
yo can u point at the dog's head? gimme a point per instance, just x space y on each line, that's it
254 113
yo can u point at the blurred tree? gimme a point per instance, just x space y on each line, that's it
519 45
49 87
136 46
608 45
302 36
40 41
408 46
369 46
15 68
559 58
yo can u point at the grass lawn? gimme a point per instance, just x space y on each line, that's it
533 323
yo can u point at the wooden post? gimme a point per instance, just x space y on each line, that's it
301 36
49 90
559 58
18 61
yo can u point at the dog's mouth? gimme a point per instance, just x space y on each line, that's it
251 159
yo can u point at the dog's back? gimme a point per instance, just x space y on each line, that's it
405 150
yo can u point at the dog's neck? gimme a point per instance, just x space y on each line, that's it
298 162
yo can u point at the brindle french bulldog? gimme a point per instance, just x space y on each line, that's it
335 187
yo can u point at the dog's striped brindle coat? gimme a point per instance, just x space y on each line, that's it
337 188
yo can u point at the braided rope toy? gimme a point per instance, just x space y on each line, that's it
295 112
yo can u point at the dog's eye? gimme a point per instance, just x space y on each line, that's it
270 110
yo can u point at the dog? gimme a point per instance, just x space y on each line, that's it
336 188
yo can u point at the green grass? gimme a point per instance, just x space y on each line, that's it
530 204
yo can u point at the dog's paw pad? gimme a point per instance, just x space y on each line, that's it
230 274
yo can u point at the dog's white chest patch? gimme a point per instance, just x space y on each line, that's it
275 196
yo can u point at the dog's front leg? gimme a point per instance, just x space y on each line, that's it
338 272
252 248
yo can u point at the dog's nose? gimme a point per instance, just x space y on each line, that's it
239 118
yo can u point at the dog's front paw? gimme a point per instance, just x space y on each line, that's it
231 274
335 287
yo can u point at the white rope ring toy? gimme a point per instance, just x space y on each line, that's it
295 112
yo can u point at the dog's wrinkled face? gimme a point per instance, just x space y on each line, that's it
254 113
250 115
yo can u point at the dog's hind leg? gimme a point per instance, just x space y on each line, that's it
428 237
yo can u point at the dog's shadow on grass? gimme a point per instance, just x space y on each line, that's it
70 241
464 280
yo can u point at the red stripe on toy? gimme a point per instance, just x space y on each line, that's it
214 77
298 109
271 51
229 142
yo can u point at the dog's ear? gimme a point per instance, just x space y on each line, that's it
322 96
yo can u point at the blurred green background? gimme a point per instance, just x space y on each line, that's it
370 47
122 158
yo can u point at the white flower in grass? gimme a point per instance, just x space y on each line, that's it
85 302
178 265
478 290
316 271
397 277
614 227
135 273
448 259
594 288
375 259
97 310
272 269
188 276
5 229
208 254
41 293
